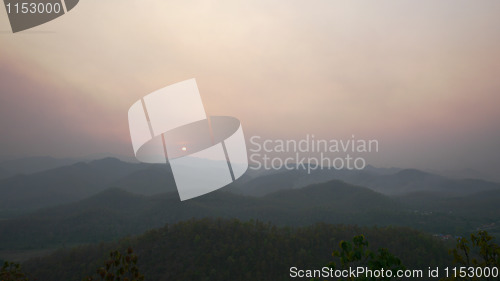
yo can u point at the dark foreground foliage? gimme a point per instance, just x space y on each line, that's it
481 251
355 253
12 272
213 249
234 250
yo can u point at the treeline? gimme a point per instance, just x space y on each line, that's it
216 249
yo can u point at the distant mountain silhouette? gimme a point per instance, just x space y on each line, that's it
66 184
401 182
483 204
286 179
116 213
107 199
35 164
151 180
270 183
381 171
336 195
22 193
410 181
467 174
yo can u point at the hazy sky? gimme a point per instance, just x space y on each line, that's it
422 77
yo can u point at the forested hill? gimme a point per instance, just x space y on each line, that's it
215 249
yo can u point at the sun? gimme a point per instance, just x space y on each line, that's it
184 148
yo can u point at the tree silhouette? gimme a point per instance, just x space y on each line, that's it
12 272
120 267
480 251
356 253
